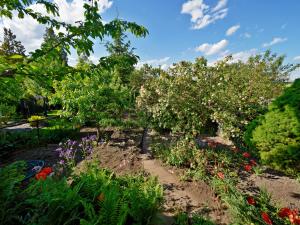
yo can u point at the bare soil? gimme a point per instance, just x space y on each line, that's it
190 197
284 191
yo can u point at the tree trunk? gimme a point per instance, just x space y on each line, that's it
98 135
143 144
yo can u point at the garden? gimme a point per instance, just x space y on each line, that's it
112 143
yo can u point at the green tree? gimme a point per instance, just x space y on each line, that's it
10 46
96 96
83 62
121 57
51 40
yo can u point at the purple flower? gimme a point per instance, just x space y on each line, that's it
93 138
58 149
61 162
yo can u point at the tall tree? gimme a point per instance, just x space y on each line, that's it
10 46
51 41
121 59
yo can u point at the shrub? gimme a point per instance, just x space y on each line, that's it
276 135
34 121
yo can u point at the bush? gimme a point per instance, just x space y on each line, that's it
276 135
35 120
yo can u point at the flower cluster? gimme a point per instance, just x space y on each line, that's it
42 175
248 167
67 153
292 215
70 151
87 145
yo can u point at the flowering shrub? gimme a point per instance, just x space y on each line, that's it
70 151
190 95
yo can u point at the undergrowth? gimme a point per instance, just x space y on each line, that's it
96 196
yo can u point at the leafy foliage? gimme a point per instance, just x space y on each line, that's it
277 134
190 95
94 197
11 177
98 97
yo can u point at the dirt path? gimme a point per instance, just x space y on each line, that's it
183 196
284 191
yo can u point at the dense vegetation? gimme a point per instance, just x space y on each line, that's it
96 196
276 134
250 100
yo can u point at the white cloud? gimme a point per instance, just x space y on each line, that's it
297 58
295 75
243 55
202 15
212 49
221 4
283 26
232 30
275 41
246 35
238 56
163 63
30 32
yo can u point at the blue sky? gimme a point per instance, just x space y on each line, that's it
171 33
186 29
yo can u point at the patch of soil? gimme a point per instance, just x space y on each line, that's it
285 191
190 197
46 153
120 160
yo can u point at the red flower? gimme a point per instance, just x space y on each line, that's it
221 175
41 176
47 170
284 212
246 155
252 162
251 200
297 221
266 218
248 167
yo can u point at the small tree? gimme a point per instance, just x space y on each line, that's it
10 46
97 97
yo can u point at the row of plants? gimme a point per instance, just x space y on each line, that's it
56 130
222 168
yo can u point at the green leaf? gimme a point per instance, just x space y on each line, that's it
16 57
